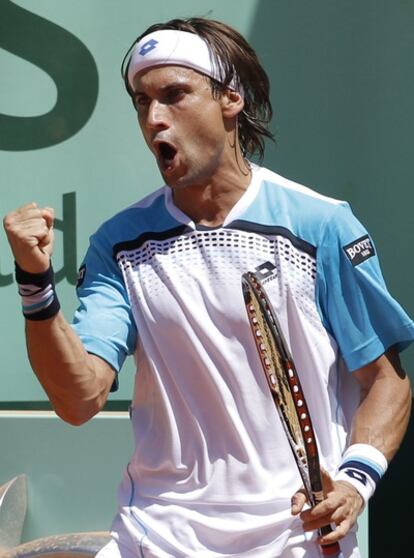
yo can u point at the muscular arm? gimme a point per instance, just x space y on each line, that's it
383 414
76 382
380 421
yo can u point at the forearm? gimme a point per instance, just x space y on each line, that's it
383 414
76 383
380 421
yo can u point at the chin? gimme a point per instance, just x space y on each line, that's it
184 177
176 182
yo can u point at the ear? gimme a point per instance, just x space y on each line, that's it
232 103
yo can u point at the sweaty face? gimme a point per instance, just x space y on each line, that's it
182 124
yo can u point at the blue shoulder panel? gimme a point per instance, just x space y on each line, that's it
104 321
355 304
353 301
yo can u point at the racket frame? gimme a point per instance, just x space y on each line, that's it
306 452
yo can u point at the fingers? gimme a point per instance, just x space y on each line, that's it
299 499
327 482
48 214
27 216
29 230
29 225
338 532
340 509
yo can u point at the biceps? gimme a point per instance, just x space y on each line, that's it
387 366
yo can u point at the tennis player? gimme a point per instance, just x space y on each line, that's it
212 474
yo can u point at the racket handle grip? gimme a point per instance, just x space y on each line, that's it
332 549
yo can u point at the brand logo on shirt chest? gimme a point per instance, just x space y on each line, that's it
266 272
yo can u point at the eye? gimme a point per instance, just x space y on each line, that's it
140 101
174 95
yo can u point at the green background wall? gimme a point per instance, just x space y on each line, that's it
69 53
342 90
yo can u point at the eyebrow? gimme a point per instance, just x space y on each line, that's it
166 88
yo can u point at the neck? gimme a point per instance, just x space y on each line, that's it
210 203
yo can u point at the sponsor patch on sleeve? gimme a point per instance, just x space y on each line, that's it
359 250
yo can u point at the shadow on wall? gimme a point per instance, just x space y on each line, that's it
390 511
342 90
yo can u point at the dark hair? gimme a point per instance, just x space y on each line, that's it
235 58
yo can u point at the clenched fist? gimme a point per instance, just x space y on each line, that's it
30 233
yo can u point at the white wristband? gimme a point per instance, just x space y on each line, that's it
362 466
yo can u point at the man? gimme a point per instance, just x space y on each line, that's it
212 474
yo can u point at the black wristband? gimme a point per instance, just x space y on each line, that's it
39 298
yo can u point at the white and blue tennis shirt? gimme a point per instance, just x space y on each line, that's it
212 471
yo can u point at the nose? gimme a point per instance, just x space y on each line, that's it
157 117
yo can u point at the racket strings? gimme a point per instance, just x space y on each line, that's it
272 364
280 375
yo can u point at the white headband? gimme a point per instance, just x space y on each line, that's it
173 47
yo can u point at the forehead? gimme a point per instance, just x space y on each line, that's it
163 76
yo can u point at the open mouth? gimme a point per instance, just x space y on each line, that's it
166 154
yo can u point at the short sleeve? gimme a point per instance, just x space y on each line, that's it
104 320
356 307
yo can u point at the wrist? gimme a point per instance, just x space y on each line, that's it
362 467
37 291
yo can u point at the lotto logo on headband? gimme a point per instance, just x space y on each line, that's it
147 47
176 48
359 250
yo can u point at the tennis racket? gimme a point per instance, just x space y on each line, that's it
287 392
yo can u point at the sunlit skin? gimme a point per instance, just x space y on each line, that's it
207 172
207 175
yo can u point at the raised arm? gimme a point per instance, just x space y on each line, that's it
76 382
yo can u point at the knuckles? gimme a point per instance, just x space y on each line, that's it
339 508
8 222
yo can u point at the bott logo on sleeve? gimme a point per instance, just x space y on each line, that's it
359 250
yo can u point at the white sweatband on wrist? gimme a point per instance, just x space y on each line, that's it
363 467
177 48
